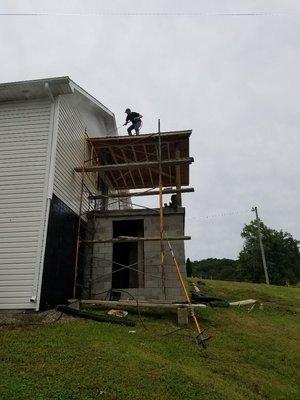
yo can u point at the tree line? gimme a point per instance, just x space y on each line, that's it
282 257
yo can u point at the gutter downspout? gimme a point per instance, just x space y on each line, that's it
49 92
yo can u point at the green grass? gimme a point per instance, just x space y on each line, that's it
251 356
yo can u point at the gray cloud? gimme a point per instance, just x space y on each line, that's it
234 80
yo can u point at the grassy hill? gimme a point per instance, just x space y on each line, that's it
253 355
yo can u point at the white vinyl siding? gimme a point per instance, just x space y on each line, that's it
69 154
24 135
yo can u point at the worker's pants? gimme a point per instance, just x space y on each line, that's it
136 126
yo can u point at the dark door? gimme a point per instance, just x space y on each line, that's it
128 254
58 275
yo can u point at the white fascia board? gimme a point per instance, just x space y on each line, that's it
57 79
34 89
74 86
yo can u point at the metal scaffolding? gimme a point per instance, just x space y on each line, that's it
159 160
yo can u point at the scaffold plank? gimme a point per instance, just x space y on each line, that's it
137 239
134 165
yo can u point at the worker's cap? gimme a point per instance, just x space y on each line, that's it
127 110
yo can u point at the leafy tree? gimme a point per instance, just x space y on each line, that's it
188 268
282 255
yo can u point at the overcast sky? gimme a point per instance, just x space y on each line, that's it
234 80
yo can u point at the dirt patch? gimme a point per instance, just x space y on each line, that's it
13 319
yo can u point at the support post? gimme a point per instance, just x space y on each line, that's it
182 316
178 176
161 213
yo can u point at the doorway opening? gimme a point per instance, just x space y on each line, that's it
129 254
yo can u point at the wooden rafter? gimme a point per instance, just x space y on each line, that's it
146 155
127 160
123 175
115 161
135 159
130 162
150 172
124 157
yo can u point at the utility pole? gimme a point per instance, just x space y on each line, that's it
261 246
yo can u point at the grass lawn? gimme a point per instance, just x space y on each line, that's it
253 355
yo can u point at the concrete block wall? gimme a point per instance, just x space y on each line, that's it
153 289
102 258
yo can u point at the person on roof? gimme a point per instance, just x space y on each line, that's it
136 120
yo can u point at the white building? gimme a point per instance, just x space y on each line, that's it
42 135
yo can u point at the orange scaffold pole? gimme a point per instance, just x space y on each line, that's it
199 331
79 219
161 214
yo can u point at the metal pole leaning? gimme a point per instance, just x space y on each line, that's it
200 338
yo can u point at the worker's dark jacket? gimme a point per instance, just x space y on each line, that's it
133 117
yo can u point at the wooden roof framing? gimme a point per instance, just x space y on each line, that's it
131 162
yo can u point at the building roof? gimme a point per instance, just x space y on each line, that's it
45 88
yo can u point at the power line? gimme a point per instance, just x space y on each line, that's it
148 14
223 214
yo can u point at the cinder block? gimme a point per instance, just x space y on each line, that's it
173 222
153 284
107 285
154 270
156 294
173 284
175 294
182 316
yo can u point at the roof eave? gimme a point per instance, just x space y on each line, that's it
79 89
34 89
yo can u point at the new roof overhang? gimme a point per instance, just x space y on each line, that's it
131 162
